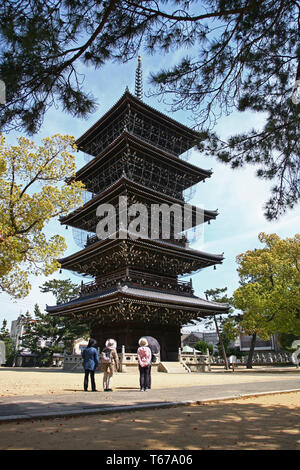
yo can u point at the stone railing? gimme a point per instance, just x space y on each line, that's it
195 361
130 360
73 362
260 358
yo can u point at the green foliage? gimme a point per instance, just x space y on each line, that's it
63 290
203 346
235 351
59 332
218 295
240 55
286 340
230 327
226 342
4 333
269 295
33 191
250 64
9 345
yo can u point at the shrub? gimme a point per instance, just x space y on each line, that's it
202 346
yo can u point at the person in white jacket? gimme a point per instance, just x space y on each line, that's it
109 358
144 359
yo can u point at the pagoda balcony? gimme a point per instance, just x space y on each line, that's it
91 239
137 279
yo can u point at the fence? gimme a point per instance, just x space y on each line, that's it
267 358
73 362
195 361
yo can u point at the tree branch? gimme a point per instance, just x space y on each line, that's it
110 8
145 12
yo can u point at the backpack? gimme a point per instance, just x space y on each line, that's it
106 356
144 359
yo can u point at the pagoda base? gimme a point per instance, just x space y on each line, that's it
128 334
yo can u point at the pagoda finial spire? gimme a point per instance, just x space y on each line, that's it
138 80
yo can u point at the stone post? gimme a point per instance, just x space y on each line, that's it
123 367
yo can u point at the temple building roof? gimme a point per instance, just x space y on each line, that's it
122 293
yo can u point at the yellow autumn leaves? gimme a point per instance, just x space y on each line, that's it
36 186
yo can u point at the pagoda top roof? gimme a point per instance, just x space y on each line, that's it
140 295
128 99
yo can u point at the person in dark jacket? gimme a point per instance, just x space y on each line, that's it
90 364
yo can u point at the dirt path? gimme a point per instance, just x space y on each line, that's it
269 422
259 423
23 381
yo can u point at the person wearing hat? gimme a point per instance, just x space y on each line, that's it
144 359
90 363
109 358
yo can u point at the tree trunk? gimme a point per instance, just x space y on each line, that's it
222 344
251 351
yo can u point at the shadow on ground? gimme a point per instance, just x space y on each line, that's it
216 426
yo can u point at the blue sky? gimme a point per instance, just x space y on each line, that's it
238 195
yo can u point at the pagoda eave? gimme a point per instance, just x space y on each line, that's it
120 188
114 253
123 302
126 138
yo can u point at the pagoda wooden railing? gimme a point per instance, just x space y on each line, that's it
91 239
137 278
156 134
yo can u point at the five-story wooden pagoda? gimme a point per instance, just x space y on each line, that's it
136 290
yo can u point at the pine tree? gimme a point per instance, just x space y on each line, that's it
219 295
45 335
235 55
63 290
